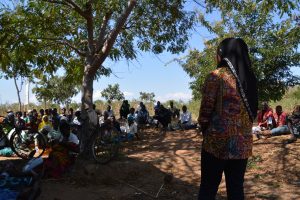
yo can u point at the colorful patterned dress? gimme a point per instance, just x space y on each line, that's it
228 135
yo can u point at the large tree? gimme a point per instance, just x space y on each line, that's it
273 43
112 92
80 35
55 89
147 96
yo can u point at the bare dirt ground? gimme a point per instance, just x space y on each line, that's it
138 173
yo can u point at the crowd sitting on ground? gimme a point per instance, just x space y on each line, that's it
65 127
278 123
63 130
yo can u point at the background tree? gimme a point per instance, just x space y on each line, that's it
80 35
55 89
273 43
112 92
148 97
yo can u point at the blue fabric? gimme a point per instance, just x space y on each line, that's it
11 186
280 130
7 194
6 152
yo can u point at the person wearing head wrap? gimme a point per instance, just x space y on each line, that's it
228 109
45 125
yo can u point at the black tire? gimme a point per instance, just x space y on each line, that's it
101 148
24 147
105 146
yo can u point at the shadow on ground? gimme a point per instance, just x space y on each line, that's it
138 173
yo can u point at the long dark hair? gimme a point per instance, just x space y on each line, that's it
235 55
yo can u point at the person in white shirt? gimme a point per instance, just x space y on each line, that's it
109 111
185 120
131 128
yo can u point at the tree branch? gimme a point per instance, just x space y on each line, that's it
77 8
80 53
200 4
90 27
102 31
113 35
69 3
57 2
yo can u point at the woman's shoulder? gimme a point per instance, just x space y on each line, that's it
217 73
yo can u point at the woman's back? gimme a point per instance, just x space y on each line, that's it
229 130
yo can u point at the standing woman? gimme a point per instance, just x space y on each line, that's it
228 109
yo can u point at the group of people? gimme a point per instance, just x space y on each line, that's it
64 145
170 118
229 107
278 123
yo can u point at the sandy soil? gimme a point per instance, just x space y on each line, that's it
139 171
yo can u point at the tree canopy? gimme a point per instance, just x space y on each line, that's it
147 96
79 36
41 36
55 89
273 43
112 92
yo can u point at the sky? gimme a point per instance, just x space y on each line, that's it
149 73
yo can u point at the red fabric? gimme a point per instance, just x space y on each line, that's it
281 119
60 160
262 119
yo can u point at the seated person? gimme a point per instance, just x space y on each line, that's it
45 126
62 157
70 115
293 122
20 123
281 123
116 124
139 106
77 119
142 115
55 119
131 128
109 111
163 116
10 120
185 121
6 127
76 124
175 112
33 125
63 112
175 115
265 119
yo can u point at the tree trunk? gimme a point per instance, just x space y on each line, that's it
18 92
86 104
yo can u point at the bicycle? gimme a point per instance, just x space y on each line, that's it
105 144
24 143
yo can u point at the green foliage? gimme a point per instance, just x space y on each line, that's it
273 43
112 92
38 37
253 161
278 6
55 89
296 93
289 100
148 97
